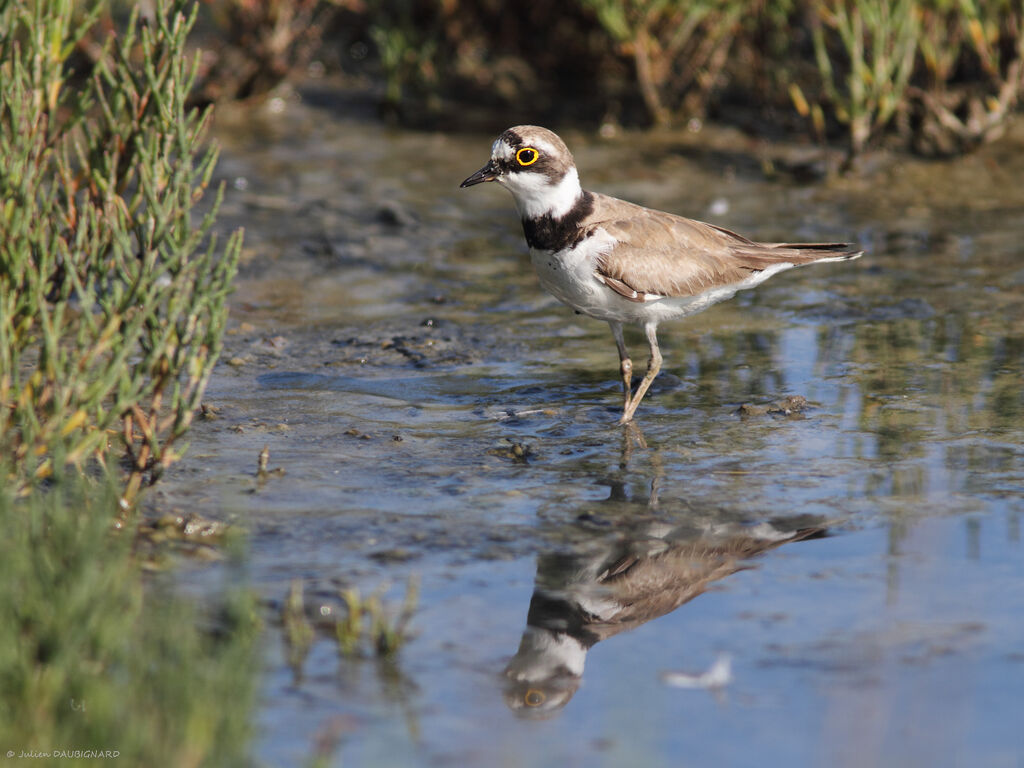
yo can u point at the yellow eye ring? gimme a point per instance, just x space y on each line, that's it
527 156
533 697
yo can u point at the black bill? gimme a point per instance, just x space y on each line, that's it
487 173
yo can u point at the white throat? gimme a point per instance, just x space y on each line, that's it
544 654
535 196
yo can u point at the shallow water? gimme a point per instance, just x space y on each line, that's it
436 414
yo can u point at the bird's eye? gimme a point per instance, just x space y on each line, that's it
533 697
527 156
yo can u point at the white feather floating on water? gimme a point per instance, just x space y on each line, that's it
717 676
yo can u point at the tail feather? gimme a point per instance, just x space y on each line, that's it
763 255
842 251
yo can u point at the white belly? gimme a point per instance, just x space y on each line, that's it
569 277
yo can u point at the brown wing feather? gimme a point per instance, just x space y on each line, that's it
662 254
621 288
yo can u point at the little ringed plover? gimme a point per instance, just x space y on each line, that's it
623 263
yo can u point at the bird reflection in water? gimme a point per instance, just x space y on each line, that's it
599 589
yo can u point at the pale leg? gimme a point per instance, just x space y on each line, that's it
653 366
625 364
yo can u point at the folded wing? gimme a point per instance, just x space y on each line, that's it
661 255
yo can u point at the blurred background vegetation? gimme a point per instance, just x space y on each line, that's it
90 660
935 76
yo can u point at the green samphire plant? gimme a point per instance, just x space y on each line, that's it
112 288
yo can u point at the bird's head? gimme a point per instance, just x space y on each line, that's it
536 167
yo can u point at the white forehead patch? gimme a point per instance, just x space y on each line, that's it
501 150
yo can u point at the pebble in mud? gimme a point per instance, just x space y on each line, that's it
273 345
208 412
792 406
394 214
396 555
512 450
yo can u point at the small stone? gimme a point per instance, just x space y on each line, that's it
394 215
789 405
396 555
747 410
